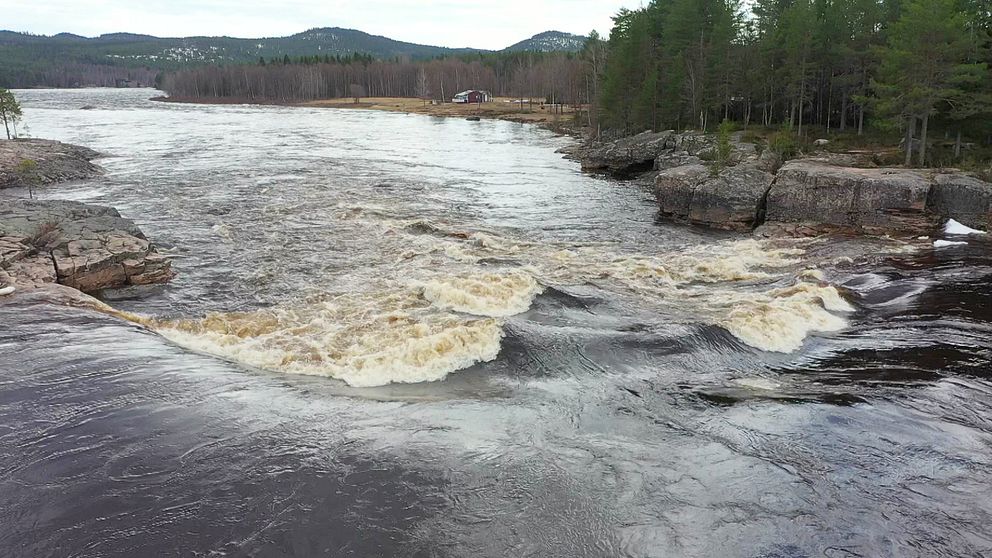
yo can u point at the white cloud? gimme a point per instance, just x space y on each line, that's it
493 24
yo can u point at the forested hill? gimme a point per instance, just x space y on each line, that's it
67 60
550 41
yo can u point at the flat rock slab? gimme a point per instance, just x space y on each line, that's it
56 161
817 195
87 247
861 199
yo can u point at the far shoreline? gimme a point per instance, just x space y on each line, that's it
501 108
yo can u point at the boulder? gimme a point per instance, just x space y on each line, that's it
730 199
962 198
672 159
87 247
694 143
675 187
626 155
57 161
863 200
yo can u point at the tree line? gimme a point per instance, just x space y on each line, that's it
843 65
904 68
559 77
75 74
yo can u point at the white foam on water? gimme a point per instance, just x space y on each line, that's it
385 335
441 310
490 294
758 384
781 319
223 230
408 353
814 274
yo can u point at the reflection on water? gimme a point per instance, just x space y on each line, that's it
604 390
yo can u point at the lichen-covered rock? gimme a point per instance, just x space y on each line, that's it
732 199
87 247
56 161
35 269
674 188
729 199
866 200
962 198
625 155
672 159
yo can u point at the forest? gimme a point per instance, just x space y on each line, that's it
899 68
906 67
559 77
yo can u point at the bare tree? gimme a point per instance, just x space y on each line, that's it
423 90
356 91
27 173
523 77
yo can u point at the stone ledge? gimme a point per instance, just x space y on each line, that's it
87 247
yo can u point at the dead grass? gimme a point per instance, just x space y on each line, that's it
501 108
44 236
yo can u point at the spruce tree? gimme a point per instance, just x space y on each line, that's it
923 64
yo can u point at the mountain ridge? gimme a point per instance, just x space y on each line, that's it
28 60
550 41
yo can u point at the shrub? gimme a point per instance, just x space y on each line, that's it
44 236
720 154
27 173
783 144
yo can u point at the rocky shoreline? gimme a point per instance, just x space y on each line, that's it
55 242
754 190
56 162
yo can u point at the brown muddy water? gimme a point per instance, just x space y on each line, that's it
396 335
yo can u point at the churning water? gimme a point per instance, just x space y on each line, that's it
394 335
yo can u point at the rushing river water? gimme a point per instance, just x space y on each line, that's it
395 335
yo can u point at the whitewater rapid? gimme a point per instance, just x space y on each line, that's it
639 388
447 306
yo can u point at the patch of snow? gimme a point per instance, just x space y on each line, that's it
953 227
946 243
7 291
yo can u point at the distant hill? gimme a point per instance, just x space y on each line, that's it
550 41
68 60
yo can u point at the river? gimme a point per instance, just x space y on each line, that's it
397 335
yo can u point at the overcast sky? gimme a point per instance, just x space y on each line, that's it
491 24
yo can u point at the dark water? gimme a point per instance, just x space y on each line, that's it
629 412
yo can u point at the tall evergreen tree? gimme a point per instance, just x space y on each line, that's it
923 64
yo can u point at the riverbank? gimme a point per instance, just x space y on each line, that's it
55 242
54 162
556 118
754 187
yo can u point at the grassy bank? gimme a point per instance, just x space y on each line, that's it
561 119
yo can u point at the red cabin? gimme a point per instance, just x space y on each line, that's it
472 96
